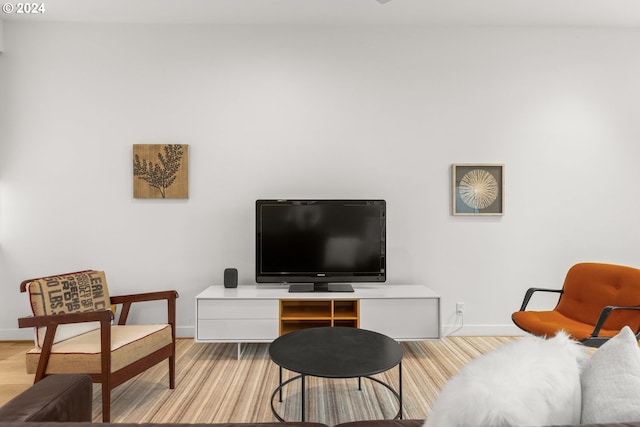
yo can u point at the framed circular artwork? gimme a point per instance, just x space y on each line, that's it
478 189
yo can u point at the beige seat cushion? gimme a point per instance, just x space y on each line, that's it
81 354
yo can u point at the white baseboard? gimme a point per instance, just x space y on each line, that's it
482 330
16 334
185 331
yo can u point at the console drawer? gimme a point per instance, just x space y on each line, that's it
238 309
238 329
402 319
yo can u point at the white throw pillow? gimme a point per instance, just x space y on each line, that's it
611 381
530 381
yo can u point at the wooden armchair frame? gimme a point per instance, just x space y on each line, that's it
109 380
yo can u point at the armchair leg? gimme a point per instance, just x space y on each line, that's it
106 402
172 372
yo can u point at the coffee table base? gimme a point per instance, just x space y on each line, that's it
302 377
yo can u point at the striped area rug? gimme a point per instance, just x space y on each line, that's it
213 386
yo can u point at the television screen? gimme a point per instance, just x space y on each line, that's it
320 241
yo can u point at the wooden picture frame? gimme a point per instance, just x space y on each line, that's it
160 171
477 189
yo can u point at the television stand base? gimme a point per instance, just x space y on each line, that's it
320 287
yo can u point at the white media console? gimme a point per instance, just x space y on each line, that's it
261 313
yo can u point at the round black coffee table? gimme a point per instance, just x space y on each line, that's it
335 352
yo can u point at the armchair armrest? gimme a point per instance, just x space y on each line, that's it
604 314
127 300
51 322
54 320
531 291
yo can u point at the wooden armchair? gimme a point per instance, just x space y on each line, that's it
595 303
73 316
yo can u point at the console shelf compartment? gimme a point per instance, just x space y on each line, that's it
346 309
308 313
305 309
287 326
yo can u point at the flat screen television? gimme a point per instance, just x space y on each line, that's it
320 245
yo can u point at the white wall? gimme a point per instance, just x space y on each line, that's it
317 112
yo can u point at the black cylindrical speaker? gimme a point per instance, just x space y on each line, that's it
230 278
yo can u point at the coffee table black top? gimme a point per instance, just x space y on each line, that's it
335 352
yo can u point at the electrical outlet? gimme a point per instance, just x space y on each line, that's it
459 308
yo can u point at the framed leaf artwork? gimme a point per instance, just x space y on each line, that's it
160 171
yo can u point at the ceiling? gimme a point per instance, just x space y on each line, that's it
608 13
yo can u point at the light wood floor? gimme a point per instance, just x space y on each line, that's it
13 375
213 386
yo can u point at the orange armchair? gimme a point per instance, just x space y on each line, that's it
596 301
